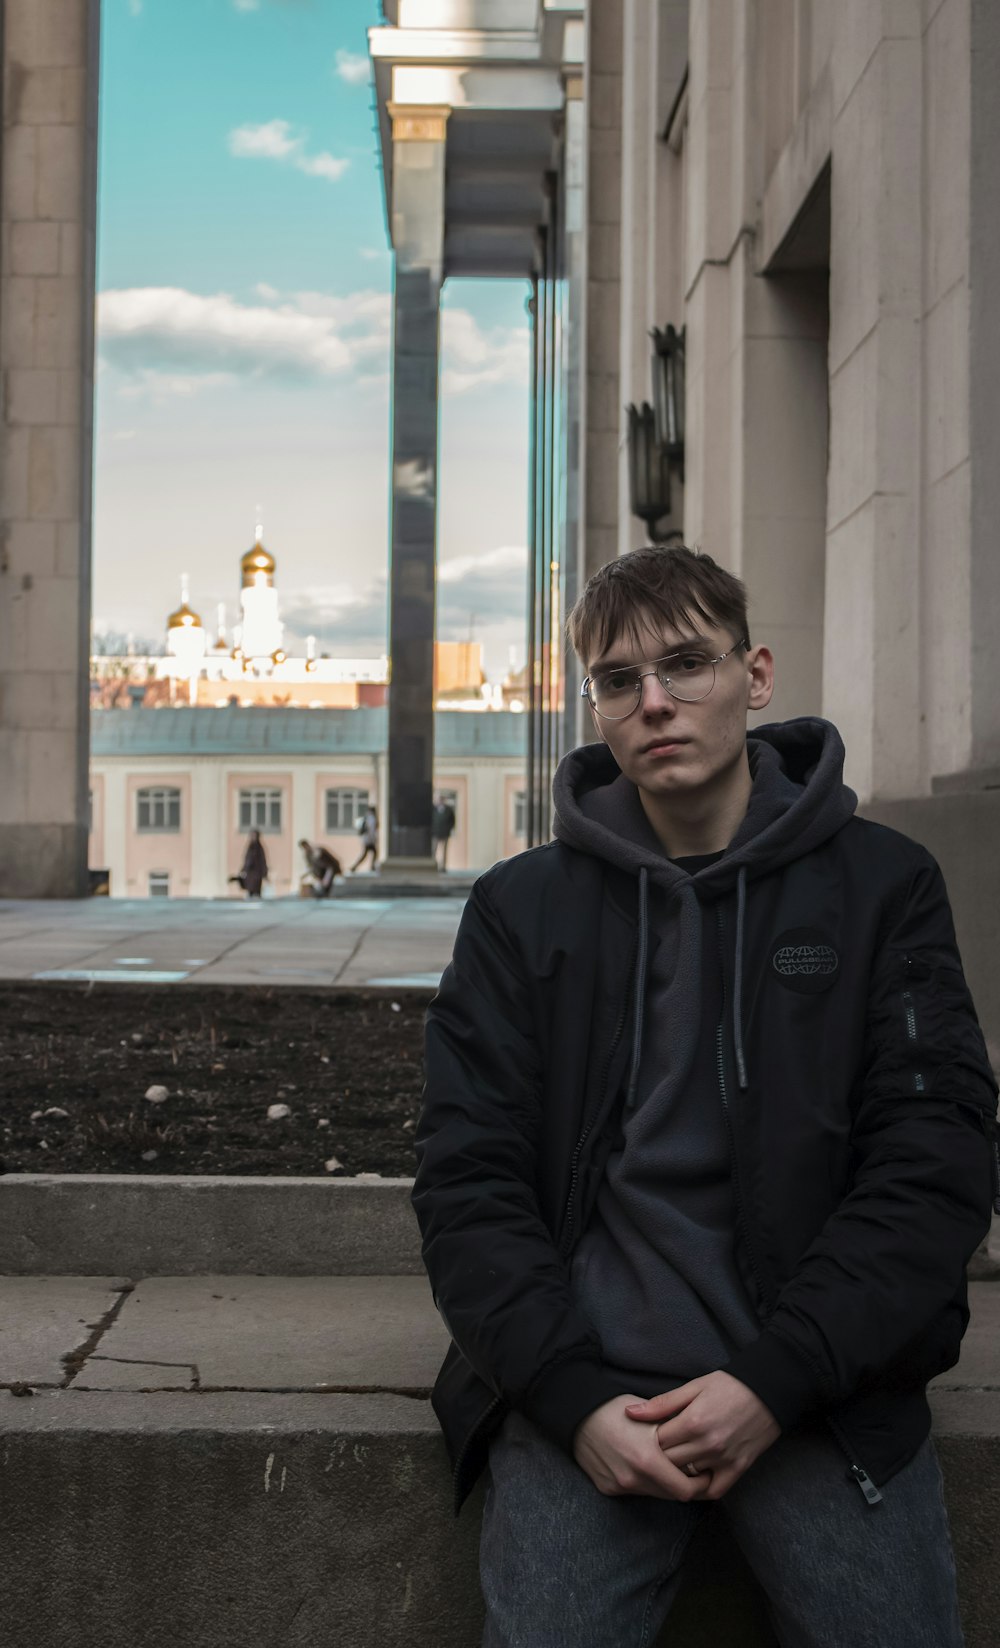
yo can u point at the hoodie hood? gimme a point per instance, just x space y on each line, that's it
799 800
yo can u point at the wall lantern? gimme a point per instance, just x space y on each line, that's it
668 392
648 468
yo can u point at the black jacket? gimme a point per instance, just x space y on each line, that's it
859 1142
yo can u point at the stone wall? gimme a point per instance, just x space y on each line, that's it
47 249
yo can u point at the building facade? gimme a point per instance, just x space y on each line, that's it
803 191
175 792
806 193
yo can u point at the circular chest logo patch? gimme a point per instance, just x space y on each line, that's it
803 959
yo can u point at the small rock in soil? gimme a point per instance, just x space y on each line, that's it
324 1121
54 1110
332 1164
277 1112
157 1094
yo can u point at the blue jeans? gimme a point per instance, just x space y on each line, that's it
564 1566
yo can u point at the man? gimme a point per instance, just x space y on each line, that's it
254 870
442 827
322 868
368 831
703 1156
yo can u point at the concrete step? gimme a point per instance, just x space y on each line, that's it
217 1460
413 884
161 1225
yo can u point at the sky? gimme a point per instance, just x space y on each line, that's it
243 344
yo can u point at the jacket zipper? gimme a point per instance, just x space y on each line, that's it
574 1171
988 1123
857 1471
910 1015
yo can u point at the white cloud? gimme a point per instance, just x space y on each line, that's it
162 386
492 584
473 357
322 165
166 332
352 68
372 253
275 140
272 140
488 587
135 7
340 616
188 339
246 5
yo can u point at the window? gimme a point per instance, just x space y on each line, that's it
158 809
159 883
261 810
520 812
344 809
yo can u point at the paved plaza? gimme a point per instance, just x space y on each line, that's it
357 941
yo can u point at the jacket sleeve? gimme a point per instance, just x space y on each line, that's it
498 1280
892 1257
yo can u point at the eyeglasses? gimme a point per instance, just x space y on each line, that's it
688 676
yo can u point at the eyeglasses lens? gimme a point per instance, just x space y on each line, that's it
616 693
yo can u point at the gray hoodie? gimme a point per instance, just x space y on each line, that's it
657 1270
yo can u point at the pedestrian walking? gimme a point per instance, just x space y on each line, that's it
368 831
705 1150
253 872
442 827
322 868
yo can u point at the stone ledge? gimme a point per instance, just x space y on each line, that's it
202 1520
304 1519
159 1225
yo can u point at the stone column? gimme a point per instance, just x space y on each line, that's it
48 182
984 275
600 413
872 653
418 156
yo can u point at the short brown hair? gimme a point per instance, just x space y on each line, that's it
674 584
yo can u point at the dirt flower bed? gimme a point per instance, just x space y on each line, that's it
77 1061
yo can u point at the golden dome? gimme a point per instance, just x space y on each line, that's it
257 559
184 618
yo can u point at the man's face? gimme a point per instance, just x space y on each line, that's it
668 747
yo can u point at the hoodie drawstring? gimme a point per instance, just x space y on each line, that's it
640 984
741 900
640 988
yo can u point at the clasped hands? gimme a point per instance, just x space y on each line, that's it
715 1425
